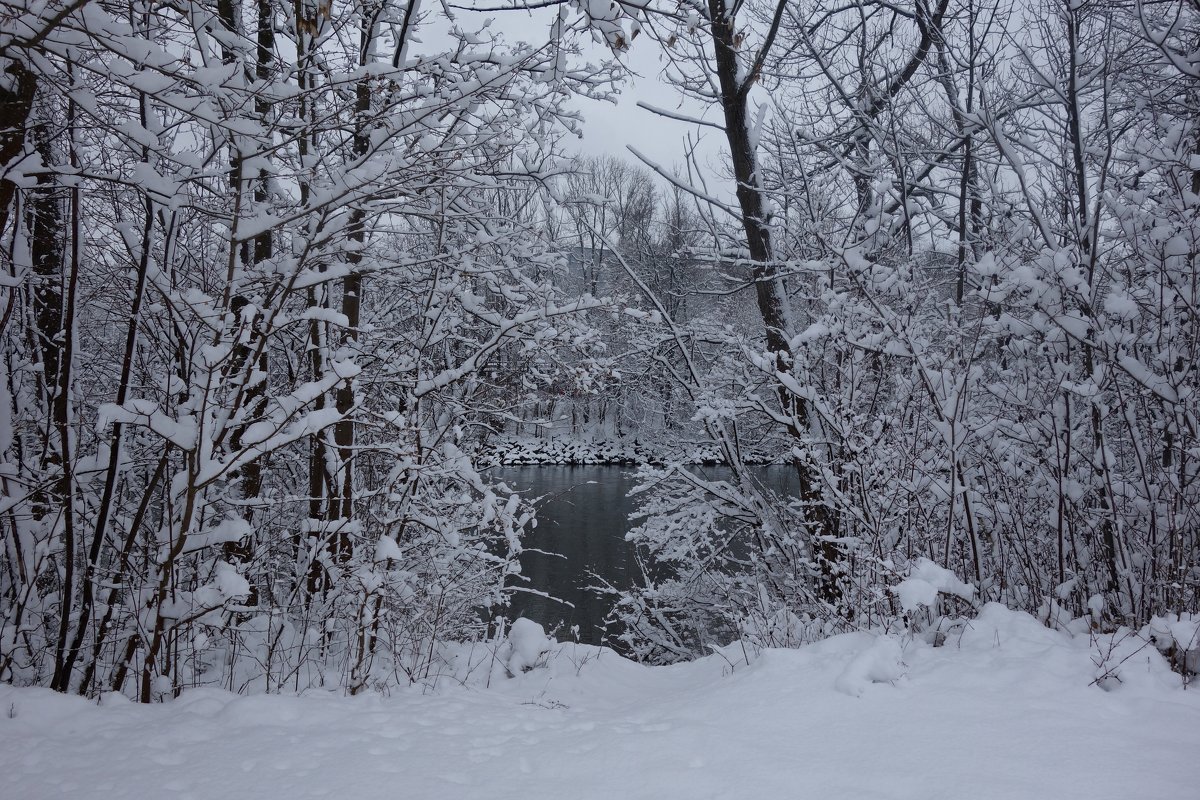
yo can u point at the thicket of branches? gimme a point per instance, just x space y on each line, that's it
267 274
971 232
274 272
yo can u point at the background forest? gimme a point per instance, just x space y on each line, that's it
278 276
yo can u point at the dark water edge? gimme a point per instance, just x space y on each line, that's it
584 513
583 516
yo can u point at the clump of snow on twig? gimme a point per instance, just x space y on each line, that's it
925 581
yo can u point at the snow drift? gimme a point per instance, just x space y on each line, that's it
1006 708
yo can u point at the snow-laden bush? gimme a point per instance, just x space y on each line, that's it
249 378
1177 636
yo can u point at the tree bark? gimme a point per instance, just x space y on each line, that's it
769 289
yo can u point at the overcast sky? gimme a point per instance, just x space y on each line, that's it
611 128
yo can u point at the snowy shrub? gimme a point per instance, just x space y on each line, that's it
526 646
1177 636
977 329
261 343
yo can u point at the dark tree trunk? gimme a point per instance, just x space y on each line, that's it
770 292
16 103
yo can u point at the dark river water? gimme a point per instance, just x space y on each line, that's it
583 517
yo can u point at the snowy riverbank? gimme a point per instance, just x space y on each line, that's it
1005 709
522 451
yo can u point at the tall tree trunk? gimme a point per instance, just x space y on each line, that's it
771 295
342 509
47 250
62 409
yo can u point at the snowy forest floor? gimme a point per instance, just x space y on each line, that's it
1005 709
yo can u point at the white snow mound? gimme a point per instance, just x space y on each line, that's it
1008 707
528 643
925 581
881 662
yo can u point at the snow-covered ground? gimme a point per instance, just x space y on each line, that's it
1005 709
